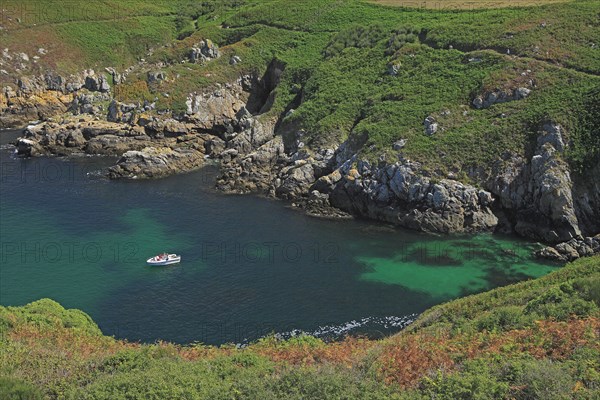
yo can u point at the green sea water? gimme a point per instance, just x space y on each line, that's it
250 266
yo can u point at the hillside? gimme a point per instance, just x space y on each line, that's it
445 118
534 340
434 119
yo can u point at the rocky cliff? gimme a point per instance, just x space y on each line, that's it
536 196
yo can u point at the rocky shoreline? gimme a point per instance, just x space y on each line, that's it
536 197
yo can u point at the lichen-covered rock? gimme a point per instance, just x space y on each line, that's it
122 112
571 250
401 195
500 96
218 109
204 51
538 195
431 126
22 109
152 162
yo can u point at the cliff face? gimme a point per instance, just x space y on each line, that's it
536 197
539 196
434 127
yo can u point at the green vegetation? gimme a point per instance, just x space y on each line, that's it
533 340
338 57
571 290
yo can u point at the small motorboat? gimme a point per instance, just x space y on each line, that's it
164 259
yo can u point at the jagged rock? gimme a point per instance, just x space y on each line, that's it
393 69
235 60
571 250
156 76
111 145
552 134
122 112
228 155
96 83
154 162
31 103
254 171
167 128
318 205
92 137
74 83
495 97
326 184
28 148
85 103
55 82
217 110
296 181
103 85
431 126
26 85
117 77
9 92
215 146
539 195
399 194
75 139
399 145
204 51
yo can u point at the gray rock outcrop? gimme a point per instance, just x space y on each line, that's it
153 162
206 50
500 96
538 195
571 250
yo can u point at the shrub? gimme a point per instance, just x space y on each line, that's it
585 363
400 37
584 151
358 36
502 318
478 385
560 304
589 288
542 379
12 389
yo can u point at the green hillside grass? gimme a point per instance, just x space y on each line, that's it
444 59
533 340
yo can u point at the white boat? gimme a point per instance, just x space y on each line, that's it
164 259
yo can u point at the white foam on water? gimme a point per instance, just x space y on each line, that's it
336 332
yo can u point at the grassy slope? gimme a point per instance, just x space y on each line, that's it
465 5
80 34
348 93
536 339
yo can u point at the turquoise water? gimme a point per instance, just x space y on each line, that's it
251 266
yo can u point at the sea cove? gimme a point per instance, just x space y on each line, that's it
251 266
